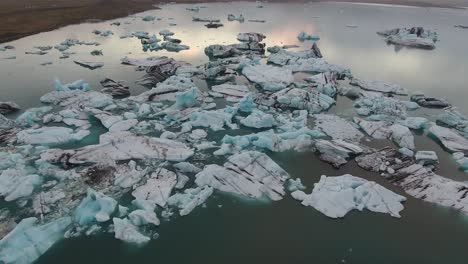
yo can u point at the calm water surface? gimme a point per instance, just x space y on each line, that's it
228 230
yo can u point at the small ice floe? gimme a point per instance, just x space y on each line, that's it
379 86
461 26
232 92
239 18
454 119
29 240
189 199
461 160
416 37
50 135
214 25
270 78
148 18
9 107
251 174
426 157
257 20
90 65
97 53
205 19
158 187
121 146
124 230
431 102
336 196
250 37
449 139
417 180
337 152
337 127
16 183
115 88
104 33
304 36
7 47
95 208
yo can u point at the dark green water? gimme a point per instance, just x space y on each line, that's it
230 230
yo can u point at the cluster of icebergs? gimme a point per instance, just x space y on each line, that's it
163 147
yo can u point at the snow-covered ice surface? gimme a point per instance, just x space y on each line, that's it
195 126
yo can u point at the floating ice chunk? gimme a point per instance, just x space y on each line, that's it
125 231
381 108
214 119
426 157
232 17
252 174
250 37
304 36
166 32
246 104
95 207
336 196
379 86
148 18
77 98
449 139
296 98
17 183
27 242
121 146
32 115
142 217
171 46
90 65
157 188
293 185
6 123
128 175
8 107
430 102
50 135
115 88
76 85
375 129
337 152
190 199
232 92
337 127
461 160
259 119
414 122
415 37
402 136
198 134
270 78
189 98
44 202
455 119
406 152
187 167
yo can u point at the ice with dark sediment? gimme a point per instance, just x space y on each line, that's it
416 37
252 174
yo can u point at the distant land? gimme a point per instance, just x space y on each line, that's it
20 18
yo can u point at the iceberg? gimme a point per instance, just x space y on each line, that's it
416 37
251 174
379 86
27 242
304 36
430 102
95 207
270 78
126 231
337 127
9 107
259 119
143 217
90 65
17 183
121 146
426 157
188 200
337 152
449 139
250 37
336 196
157 188
402 136
50 135
232 92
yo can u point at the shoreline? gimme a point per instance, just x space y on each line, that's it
34 16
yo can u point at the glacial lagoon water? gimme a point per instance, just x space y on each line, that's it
230 230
